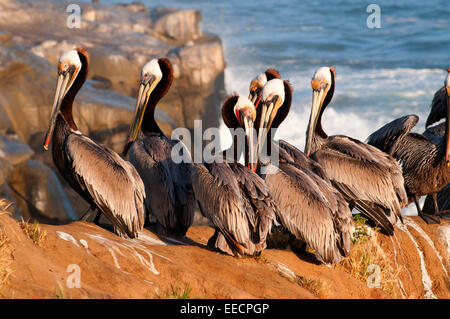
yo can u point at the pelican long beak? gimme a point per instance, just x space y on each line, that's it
145 89
65 81
250 136
269 111
317 101
447 150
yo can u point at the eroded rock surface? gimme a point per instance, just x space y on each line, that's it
120 39
153 267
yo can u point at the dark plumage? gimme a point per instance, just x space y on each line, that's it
239 205
106 181
389 135
232 196
438 107
422 159
442 199
168 185
310 208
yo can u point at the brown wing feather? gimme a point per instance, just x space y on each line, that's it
421 160
112 182
301 159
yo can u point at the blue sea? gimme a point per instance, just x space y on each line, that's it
382 73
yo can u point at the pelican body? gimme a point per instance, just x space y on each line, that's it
425 158
98 174
168 184
369 179
310 208
234 198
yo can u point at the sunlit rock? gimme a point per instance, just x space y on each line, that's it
444 238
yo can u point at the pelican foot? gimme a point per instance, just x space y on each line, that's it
430 219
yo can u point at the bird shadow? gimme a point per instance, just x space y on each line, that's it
281 239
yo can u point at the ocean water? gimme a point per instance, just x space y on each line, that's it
382 73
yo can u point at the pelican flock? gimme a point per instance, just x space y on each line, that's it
310 207
310 194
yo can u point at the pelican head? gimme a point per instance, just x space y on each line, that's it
321 84
272 97
69 65
151 75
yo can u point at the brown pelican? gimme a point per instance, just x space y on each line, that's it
167 184
370 180
425 158
234 198
310 207
106 181
257 84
